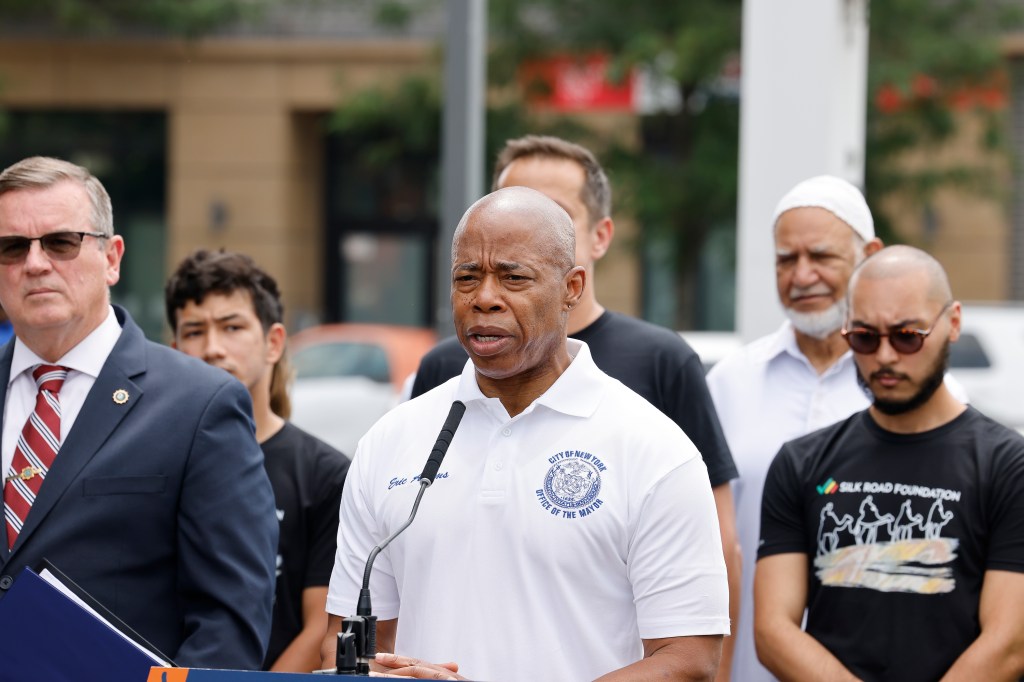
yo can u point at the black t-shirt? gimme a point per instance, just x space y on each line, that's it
651 360
307 476
899 530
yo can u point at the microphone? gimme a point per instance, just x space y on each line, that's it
357 641
444 439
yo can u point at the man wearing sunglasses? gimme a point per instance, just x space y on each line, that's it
801 377
132 467
900 530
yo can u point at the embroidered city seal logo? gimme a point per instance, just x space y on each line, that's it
572 484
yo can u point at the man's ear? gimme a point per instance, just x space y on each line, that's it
873 246
955 314
575 283
277 337
604 232
114 252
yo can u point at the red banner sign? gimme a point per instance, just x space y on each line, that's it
577 84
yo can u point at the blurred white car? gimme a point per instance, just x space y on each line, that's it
339 410
988 360
349 375
712 346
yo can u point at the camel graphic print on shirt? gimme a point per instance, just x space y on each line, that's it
902 552
899 531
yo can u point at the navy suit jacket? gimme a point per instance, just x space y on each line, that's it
160 507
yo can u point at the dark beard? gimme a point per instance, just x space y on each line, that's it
928 387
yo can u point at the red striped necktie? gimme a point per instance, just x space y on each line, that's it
36 449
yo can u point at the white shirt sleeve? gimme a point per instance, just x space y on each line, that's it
358 534
675 560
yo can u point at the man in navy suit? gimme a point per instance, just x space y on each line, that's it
156 501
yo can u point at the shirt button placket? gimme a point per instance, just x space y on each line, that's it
506 432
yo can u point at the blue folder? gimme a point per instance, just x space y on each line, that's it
48 636
204 675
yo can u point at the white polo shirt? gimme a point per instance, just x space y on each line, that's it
550 543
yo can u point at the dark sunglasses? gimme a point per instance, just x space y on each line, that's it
903 340
57 245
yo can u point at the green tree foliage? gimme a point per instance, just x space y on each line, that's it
189 18
393 124
933 65
105 18
681 181
404 122
678 177
925 58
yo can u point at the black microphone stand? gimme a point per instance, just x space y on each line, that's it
357 639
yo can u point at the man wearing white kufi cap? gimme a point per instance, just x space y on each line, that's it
801 377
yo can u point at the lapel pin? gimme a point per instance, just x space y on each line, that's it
120 396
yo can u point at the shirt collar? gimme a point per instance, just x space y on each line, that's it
782 340
783 343
87 357
576 392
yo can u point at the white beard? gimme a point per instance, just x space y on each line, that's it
819 325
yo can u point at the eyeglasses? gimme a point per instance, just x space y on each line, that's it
57 245
903 340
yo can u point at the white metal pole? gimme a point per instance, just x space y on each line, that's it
803 110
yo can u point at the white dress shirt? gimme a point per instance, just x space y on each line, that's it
765 394
84 361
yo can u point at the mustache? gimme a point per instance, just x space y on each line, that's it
814 290
887 373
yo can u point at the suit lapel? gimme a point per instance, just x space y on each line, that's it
109 401
5 378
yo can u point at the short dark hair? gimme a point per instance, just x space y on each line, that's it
596 192
223 272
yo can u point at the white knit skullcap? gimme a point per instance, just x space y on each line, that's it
836 196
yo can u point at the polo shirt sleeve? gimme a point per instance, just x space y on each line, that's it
358 534
674 562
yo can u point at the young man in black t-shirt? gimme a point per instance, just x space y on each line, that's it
900 529
226 311
652 361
